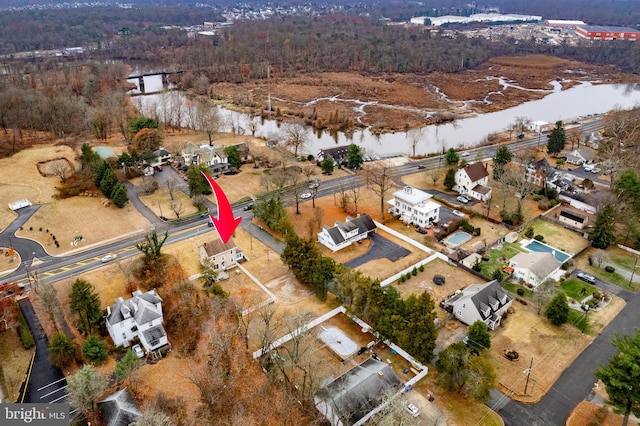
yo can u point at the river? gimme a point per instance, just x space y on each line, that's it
566 105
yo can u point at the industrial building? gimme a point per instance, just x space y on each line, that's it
597 32
563 23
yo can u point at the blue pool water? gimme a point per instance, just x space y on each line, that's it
458 238
542 247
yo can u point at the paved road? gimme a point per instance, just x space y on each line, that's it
24 247
46 383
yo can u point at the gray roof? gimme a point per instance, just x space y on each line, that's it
154 334
541 264
489 298
607 29
354 394
363 223
141 306
119 409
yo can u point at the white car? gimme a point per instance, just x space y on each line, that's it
138 351
465 154
108 258
458 213
463 199
305 195
413 410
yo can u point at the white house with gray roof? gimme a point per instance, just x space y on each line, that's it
479 302
344 234
414 207
139 317
535 267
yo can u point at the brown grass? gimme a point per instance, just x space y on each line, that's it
15 361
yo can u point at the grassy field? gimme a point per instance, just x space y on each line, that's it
497 257
559 237
578 289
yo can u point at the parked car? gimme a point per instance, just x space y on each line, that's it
421 231
138 351
586 277
596 170
413 410
305 195
108 258
463 199
458 213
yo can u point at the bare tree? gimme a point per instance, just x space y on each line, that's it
354 192
61 168
176 208
208 120
271 324
172 185
308 171
296 135
435 175
381 178
250 124
415 136
294 178
153 417
47 299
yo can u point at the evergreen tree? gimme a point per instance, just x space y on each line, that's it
354 156
233 156
502 158
89 159
419 334
621 376
127 365
450 179
451 157
138 123
327 165
94 351
101 169
84 389
197 182
62 350
119 195
321 273
556 139
479 337
108 182
85 302
602 234
558 309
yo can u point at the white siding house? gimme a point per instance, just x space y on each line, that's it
414 207
222 255
533 268
480 302
139 317
347 233
472 181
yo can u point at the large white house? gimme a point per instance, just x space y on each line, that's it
480 302
223 256
139 317
472 181
414 207
535 267
344 234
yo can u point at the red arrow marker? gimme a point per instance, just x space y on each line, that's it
225 224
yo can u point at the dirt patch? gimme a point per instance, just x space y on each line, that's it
55 167
586 412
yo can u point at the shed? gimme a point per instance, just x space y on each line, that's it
511 237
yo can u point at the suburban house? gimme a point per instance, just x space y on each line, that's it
579 157
212 156
350 397
479 302
573 219
472 181
344 234
223 256
535 267
138 317
119 409
536 172
162 157
414 207
338 153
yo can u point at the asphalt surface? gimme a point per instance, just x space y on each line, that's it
24 247
46 382
380 248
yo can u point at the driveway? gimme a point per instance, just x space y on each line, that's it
380 248
46 383
26 248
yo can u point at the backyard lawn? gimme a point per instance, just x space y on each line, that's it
578 289
500 256
561 238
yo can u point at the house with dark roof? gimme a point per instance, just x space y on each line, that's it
222 255
472 181
139 317
349 398
573 219
338 153
212 156
480 302
535 267
119 409
162 157
343 234
414 207
579 156
536 172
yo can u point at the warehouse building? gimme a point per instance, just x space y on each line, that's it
563 23
597 32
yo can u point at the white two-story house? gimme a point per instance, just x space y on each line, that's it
480 302
472 181
138 317
414 207
223 256
535 267
347 233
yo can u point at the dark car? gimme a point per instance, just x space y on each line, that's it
248 207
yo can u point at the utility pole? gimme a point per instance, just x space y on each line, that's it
526 384
633 271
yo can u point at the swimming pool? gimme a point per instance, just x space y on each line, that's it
537 246
456 239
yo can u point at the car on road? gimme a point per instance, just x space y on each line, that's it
458 213
413 410
421 166
596 170
248 207
108 258
463 199
314 185
138 351
586 277
305 195
465 154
